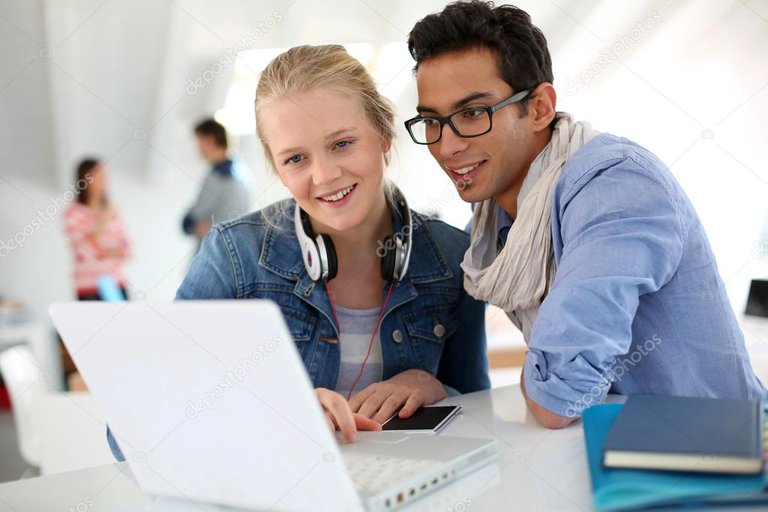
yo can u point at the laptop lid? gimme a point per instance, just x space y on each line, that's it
179 386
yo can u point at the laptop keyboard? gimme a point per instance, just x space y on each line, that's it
373 474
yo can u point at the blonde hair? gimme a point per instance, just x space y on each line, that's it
303 68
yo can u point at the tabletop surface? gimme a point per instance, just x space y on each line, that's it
537 469
540 469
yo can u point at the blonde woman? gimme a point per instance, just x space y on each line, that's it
371 291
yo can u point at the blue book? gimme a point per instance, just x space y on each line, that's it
622 489
674 433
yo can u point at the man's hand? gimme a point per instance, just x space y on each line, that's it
340 416
413 388
544 416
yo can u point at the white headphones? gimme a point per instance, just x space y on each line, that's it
319 254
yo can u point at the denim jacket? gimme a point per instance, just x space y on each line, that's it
429 323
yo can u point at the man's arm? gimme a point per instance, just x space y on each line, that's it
547 418
620 231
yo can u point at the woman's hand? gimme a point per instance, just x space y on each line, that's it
413 388
340 416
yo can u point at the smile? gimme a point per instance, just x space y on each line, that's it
464 170
338 196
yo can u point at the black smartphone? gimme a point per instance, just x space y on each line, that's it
429 420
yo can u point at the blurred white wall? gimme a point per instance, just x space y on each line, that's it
127 80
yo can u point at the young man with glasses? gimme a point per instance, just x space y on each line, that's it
586 240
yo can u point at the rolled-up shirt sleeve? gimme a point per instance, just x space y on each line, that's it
622 237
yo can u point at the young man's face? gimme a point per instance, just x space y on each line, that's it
491 165
206 144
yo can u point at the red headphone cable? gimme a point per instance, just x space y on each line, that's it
373 335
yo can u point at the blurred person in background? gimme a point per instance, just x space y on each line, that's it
99 241
223 195
96 232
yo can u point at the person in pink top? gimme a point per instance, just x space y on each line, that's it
96 232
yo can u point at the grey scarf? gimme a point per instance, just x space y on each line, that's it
517 278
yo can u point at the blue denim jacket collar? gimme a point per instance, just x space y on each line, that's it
281 255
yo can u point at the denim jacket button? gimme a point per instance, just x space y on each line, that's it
439 330
397 336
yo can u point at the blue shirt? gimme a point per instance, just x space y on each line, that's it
223 168
637 304
503 225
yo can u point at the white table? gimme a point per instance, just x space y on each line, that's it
537 470
540 469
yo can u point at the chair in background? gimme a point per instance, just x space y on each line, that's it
23 379
506 348
56 431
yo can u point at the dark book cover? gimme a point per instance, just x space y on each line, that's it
686 434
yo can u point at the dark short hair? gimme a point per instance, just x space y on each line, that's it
81 175
524 60
212 128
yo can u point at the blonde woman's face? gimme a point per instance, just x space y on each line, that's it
328 155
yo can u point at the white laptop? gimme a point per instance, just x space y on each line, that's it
210 402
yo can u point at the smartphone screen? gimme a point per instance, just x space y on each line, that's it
427 419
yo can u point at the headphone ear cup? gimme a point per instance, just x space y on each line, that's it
309 249
311 259
388 259
329 259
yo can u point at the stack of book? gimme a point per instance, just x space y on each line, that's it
662 450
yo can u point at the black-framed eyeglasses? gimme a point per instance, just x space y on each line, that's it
470 122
